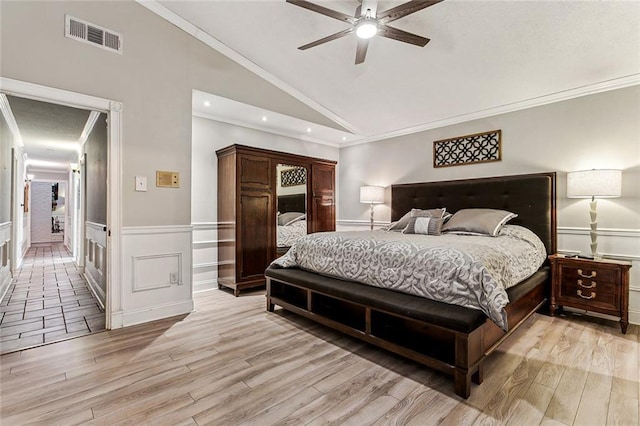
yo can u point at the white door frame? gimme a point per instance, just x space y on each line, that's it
113 311
17 208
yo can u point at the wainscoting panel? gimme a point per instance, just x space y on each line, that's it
156 271
205 256
154 282
26 237
95 261
6 230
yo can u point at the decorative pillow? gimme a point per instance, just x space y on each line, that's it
478 221
423 225
285 219
404 220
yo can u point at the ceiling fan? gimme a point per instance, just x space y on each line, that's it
366 22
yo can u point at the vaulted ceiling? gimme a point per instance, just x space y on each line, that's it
484 57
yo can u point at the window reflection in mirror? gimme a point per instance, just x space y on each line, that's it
291 191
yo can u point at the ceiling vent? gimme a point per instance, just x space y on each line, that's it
95 35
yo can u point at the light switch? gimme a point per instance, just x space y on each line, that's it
141 183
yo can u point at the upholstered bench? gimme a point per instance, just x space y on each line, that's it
449 338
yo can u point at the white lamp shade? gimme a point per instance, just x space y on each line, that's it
372 194
594 183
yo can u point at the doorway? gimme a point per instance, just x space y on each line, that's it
85 252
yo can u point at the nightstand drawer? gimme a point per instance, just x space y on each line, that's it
589 274
603 295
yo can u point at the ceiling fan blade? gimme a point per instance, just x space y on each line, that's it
326 39
400 35
405 9
323 10
361 50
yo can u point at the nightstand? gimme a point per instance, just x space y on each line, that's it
592 285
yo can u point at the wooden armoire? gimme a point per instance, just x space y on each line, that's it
247 209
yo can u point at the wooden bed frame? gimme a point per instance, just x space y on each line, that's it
448 338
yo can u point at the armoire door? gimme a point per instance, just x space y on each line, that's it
323 212
255 248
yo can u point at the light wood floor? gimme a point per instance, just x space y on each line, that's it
230 362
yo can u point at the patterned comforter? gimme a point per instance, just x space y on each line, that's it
289 234
470 271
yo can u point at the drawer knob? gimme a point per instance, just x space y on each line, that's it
592 285
591 296
593 274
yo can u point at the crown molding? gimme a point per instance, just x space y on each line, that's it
591 89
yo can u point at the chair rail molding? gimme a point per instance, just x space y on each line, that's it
205 255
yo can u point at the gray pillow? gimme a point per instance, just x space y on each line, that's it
424 225
478 221
404 220
285 219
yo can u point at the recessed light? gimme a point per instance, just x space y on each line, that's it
264 118
207 103
344 138
308 129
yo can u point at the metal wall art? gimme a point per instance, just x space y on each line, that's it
294 176
470 149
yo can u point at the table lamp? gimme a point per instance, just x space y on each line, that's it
603 183
372 195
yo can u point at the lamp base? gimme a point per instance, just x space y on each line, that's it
593 214
371 216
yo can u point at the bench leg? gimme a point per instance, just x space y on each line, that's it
462 382
478 376
270 306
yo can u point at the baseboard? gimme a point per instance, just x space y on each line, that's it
205 285
95 288
153 313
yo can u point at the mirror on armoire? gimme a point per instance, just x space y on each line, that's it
291 205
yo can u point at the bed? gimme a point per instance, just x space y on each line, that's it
450 338
292 221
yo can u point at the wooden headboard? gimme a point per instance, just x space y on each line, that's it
531 196
292 203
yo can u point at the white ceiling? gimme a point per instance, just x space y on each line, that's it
51 133
484 57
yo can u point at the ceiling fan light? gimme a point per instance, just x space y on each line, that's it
366 28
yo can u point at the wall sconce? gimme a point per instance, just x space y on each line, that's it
591 184
372 195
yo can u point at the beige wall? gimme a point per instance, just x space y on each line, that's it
153 78
596 131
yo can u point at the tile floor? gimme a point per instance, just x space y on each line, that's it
48 300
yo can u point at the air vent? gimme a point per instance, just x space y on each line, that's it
95 35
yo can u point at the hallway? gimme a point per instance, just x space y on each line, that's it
48 301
